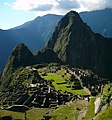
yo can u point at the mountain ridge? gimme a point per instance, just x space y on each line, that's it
99 21
35 40
20 57
76 44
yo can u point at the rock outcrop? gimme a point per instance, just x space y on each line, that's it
97 104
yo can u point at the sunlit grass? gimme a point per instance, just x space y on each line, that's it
67 112
15 115
105 115
37 113
91 109
33 114
59 79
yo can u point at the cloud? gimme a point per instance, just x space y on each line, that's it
95 4
45 7
68 4
42 7
28 5
108 3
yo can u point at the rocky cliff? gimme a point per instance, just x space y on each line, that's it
76 44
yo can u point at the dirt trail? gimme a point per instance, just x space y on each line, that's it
82 112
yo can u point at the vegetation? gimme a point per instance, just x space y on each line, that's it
64 112
59 82
90 113
33 114
37 113
15 115
105 115
10 78
106 95
24 83
70 111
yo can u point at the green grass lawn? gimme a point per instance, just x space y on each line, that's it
64 112
59 79
67 112
15 115
37 113
80 92
33 114
90 113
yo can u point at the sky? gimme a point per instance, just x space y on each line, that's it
16 12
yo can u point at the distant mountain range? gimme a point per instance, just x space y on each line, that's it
35 34
99 21
7 43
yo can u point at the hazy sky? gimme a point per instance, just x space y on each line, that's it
16 12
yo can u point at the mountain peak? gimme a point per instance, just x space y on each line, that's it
72 14
76 44
72 25
71 17
21 56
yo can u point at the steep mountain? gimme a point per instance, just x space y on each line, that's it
34 34
21 56
99 21
76 44
39 32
